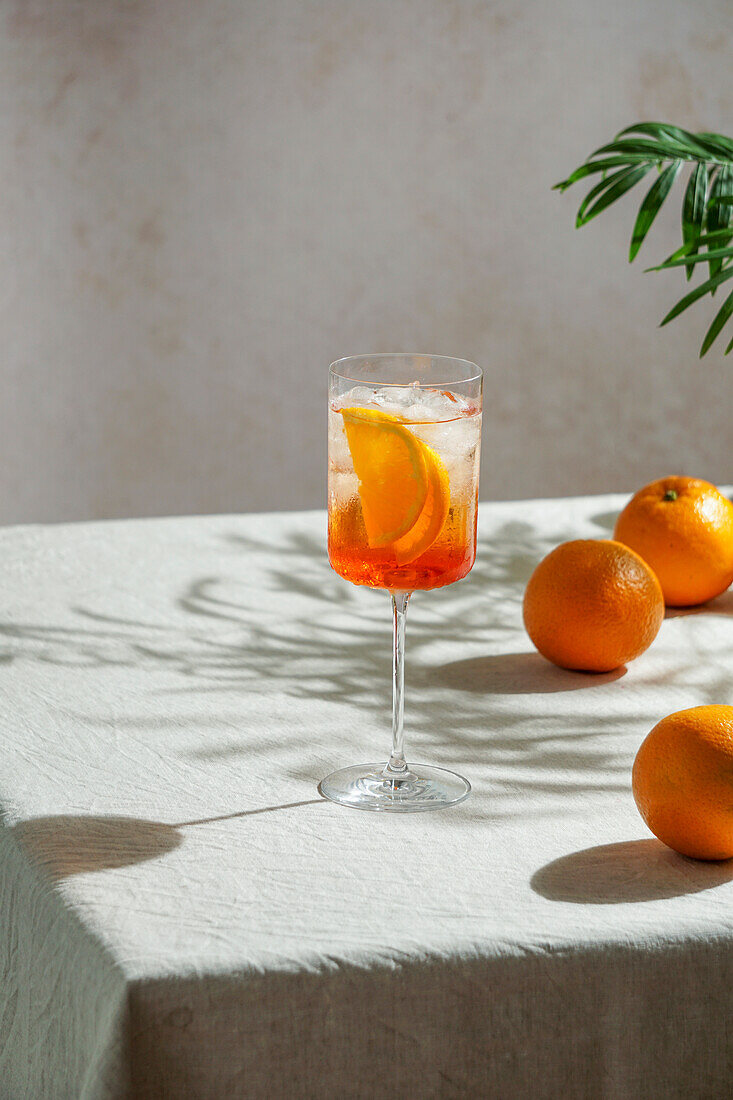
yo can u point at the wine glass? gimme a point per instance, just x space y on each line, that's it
404 437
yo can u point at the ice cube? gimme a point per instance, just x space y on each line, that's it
395 397
429 404
359 396
413 402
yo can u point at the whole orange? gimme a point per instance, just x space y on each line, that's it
683 528
683 781
592 604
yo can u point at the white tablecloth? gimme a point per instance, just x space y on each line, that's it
182 916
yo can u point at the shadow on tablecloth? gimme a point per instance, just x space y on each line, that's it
330 644
631 871
66 844
516 674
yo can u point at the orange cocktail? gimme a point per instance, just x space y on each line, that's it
404 435
402 486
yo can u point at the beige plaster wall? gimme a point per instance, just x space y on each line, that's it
204 202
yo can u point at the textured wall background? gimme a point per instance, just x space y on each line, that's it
204 203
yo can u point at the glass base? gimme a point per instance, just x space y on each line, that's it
364 787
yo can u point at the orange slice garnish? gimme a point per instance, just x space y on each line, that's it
403 484
393 478
429 524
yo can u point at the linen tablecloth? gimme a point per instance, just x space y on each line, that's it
181 915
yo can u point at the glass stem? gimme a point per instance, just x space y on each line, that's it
397 769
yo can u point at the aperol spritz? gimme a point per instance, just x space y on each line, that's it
404 435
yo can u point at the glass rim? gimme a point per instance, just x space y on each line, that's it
476 376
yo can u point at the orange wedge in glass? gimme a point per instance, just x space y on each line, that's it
393 479
429 524
403 485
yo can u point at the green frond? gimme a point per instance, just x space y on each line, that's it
698 258
651 206
608 190
699 292
693 209
716 239
720 214
720 142
723 315
591 167
672 139
707 208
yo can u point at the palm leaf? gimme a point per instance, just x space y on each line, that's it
721 317
591 167
598 189
707 208
610 190
651 206
698 258
639 147
693 208
664 131
710 147
719 216
706 239
699 292
725 144
671 140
